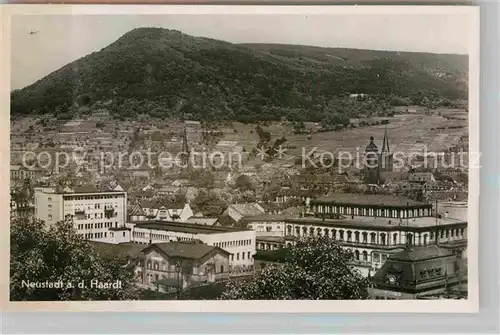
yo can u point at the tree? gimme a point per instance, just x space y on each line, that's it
244 183
315 268
208 202
57 254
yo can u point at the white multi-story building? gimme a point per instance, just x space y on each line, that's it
93 212
240 243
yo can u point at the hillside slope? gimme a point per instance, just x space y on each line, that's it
167 73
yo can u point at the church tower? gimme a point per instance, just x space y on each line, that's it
386 157
186 155
371 170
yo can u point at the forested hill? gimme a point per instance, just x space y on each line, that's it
166 73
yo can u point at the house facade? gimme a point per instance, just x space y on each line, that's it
93 212
173 265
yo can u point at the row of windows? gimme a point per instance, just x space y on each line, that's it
92 197
100 235
161 237
97 225
95 235
230 244
95 216
242 256
383 237
89 207
156 266
268 228
391 213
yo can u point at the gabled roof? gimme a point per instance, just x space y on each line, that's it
137 210
193 251
247 209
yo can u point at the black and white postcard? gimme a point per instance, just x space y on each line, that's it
240 158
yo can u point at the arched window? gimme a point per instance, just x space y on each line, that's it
373 238
222 268
382 239
349 235
409 238
304 230
311 231
365 237
297 231
156 266
395 238
356 236
365 256
425 239
341 235
326 232
149 264
289 230
318 231
356 254
334 234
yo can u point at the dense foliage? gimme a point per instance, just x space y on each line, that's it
315 268
58 254
166 73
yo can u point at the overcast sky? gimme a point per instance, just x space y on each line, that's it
63 39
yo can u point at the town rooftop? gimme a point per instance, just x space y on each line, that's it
183 227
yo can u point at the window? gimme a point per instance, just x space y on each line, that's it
349 235
356 237
382 239
384 258
376 257
222 268
372 238
356 255
50 216
365 256
237 256
123 234
248 254
341 235
242 255
232 257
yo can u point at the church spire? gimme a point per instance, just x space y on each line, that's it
185 150
385 144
